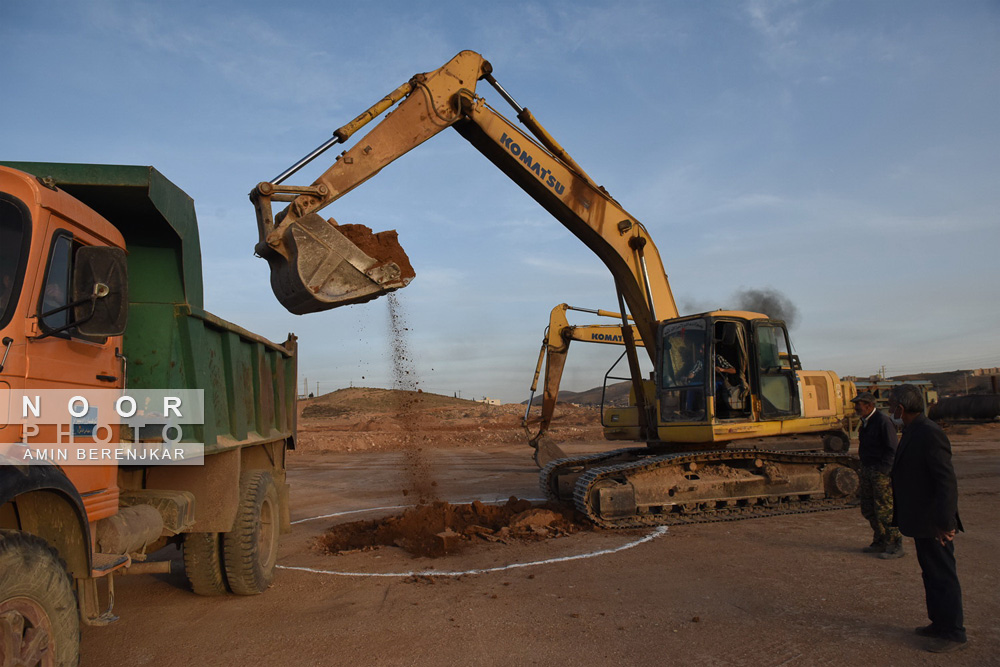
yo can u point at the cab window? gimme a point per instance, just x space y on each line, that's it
779 397
56 286
53 313
15 237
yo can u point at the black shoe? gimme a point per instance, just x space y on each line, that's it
927 631
943 645
874 548
892 551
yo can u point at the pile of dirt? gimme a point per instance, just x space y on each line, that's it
440 528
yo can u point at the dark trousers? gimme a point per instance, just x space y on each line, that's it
941 587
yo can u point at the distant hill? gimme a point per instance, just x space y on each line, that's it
358 400
617 395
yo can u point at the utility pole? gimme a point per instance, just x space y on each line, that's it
317 387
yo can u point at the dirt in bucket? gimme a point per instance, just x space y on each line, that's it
382 246
440 528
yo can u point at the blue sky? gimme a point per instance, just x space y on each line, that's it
846 154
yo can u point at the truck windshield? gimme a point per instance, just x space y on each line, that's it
14 235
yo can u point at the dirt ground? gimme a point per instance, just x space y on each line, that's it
790 590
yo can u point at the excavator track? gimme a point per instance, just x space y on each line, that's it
548 476
657 490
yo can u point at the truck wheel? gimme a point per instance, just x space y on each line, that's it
203 563
39 621
250 549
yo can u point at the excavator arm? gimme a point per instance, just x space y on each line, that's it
317 264
555 348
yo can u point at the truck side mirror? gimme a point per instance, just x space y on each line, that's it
100 290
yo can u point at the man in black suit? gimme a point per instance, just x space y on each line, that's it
925 501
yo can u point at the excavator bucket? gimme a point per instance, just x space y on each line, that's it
546 451
325 265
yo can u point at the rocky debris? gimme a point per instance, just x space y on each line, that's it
440 528
536 520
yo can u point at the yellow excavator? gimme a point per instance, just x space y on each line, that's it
718 377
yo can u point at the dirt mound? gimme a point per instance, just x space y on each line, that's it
441 528
364 418
379 401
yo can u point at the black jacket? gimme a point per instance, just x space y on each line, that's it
877 442
924 488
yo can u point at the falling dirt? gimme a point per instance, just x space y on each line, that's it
419 478
383 246
440 528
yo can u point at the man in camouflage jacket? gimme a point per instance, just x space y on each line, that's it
876 449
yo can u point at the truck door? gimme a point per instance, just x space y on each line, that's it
69 360
778 389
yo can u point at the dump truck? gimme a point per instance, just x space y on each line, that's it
685 417
102 294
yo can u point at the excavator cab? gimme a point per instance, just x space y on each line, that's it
710 367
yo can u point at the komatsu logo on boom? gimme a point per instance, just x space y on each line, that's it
607 338
545 175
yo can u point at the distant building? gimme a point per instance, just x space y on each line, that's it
489 401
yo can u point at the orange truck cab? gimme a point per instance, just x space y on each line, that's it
101 290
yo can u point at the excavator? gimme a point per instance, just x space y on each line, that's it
718 377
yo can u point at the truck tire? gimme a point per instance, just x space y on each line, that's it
203 563
250 549
39 620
